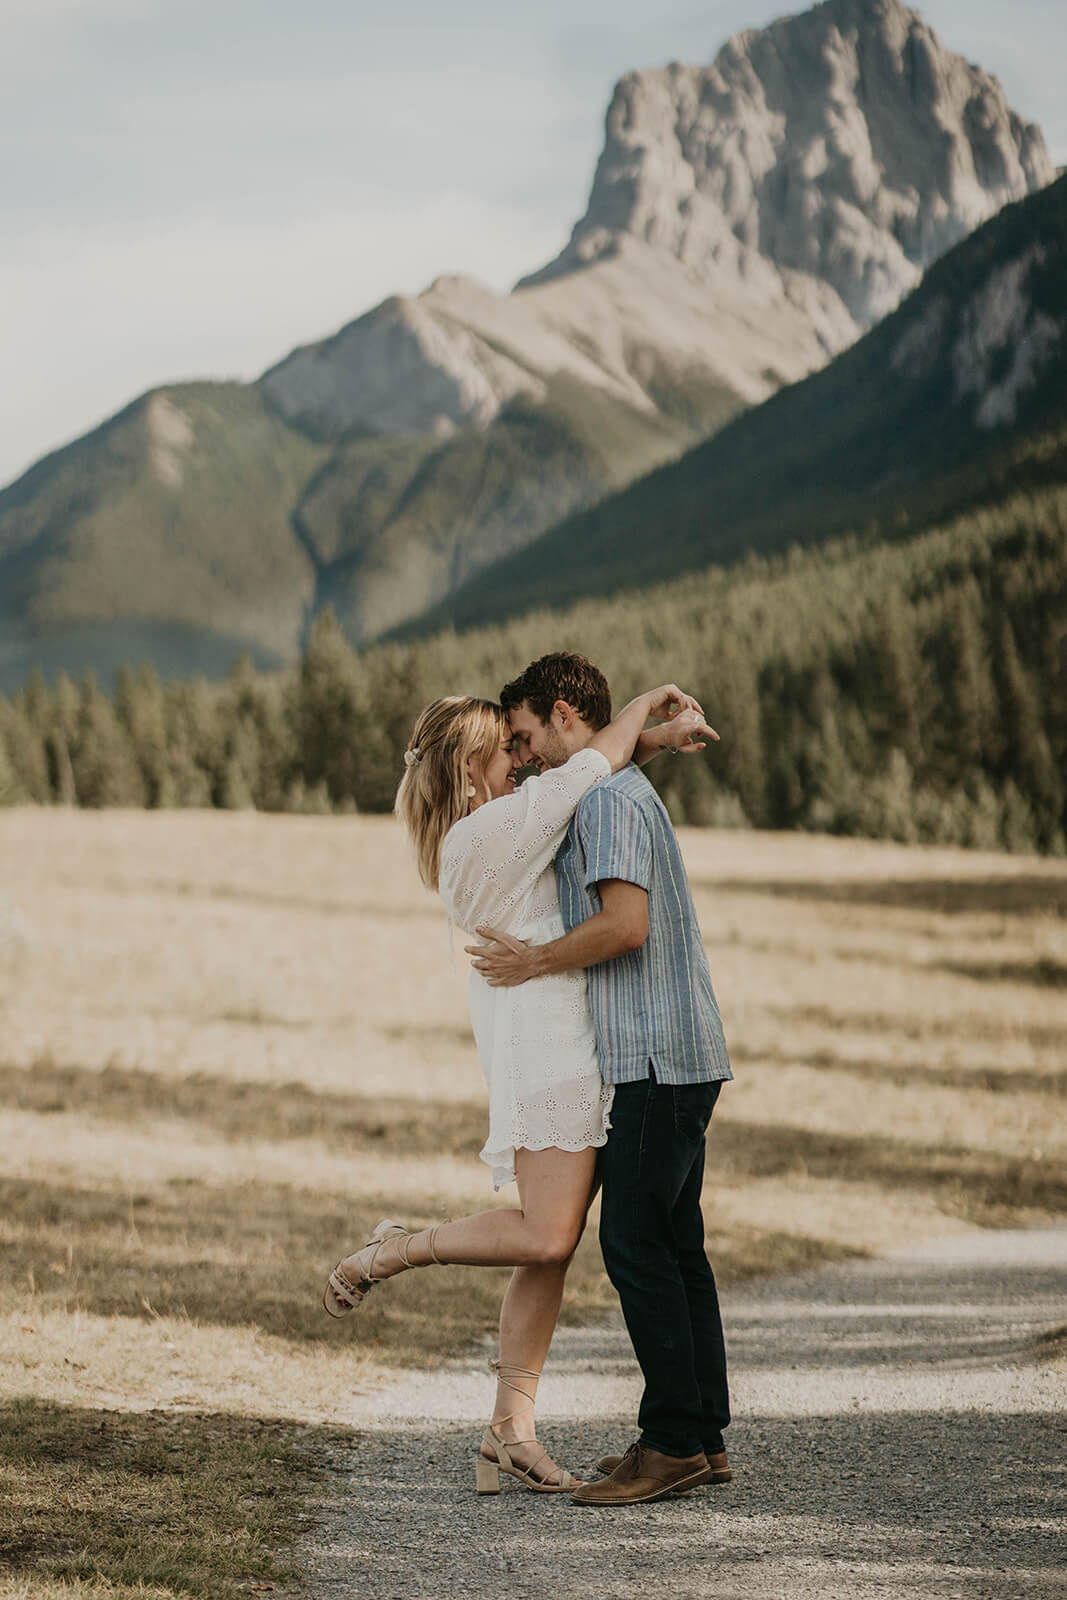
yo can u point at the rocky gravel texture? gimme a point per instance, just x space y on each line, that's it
900 1429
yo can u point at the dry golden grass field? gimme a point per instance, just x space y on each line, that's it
229 1042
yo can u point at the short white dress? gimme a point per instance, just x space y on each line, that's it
535 1041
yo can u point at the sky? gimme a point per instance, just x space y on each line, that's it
189 188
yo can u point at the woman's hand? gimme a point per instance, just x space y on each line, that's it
623 737
685 732
667 695
682 734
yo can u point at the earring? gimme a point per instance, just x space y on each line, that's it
471 791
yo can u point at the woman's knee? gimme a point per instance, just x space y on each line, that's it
553 1244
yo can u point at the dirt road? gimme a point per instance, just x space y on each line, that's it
900 1429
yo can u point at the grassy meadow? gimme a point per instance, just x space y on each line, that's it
230 1042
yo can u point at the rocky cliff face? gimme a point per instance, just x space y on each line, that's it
639 327
954 407
748 221
845 145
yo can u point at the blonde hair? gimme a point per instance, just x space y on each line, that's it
435 790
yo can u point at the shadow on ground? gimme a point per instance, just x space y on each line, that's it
916 1504
919 1314
899 1430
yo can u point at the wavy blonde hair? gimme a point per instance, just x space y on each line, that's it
434 791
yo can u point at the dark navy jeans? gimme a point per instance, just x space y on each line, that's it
652 1236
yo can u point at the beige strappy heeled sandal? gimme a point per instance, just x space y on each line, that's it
341 1295
495 1455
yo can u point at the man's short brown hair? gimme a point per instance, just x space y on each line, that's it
561 676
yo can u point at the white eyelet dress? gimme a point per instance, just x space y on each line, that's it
535 1041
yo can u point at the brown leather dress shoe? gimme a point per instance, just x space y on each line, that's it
642 1475
718 1469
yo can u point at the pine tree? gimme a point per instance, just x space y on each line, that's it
24 750
737 693
900 679
973 729
195 751
62 739
1029 756
332 722
140 706
105 768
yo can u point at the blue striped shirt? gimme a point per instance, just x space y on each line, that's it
654 1005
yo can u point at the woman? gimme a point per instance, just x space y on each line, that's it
488 848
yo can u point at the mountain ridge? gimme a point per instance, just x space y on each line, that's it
957 398
382 468
739 165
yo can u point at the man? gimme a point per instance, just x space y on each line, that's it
630 921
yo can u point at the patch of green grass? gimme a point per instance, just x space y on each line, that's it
189 1504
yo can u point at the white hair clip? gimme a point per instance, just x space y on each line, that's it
412 757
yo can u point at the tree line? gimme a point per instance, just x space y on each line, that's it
912 691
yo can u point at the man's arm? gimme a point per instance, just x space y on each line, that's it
621 926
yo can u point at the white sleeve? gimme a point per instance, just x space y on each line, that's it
491 859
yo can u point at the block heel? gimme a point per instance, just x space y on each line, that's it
495 1457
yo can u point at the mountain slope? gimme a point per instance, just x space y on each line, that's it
382 515
747 220
959 397
508 412
175 512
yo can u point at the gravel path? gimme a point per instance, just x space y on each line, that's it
899 1430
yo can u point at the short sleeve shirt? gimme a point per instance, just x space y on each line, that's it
653 1006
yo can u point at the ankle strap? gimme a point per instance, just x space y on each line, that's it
431 1240
501 1369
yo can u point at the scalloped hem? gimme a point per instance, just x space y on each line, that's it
502 1162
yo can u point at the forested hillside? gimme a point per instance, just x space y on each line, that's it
916 690
957 401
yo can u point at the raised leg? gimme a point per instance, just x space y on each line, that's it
554 1188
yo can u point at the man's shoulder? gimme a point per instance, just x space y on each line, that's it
625 789
628 782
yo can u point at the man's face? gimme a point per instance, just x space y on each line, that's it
546 743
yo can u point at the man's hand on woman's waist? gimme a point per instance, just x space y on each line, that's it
622 926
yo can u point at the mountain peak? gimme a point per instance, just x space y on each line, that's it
846 144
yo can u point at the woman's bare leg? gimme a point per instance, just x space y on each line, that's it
548 1180
554 1189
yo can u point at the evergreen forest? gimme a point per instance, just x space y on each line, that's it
912 690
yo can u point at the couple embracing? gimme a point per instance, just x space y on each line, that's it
603 1051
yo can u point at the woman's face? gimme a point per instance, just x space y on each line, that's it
498 773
